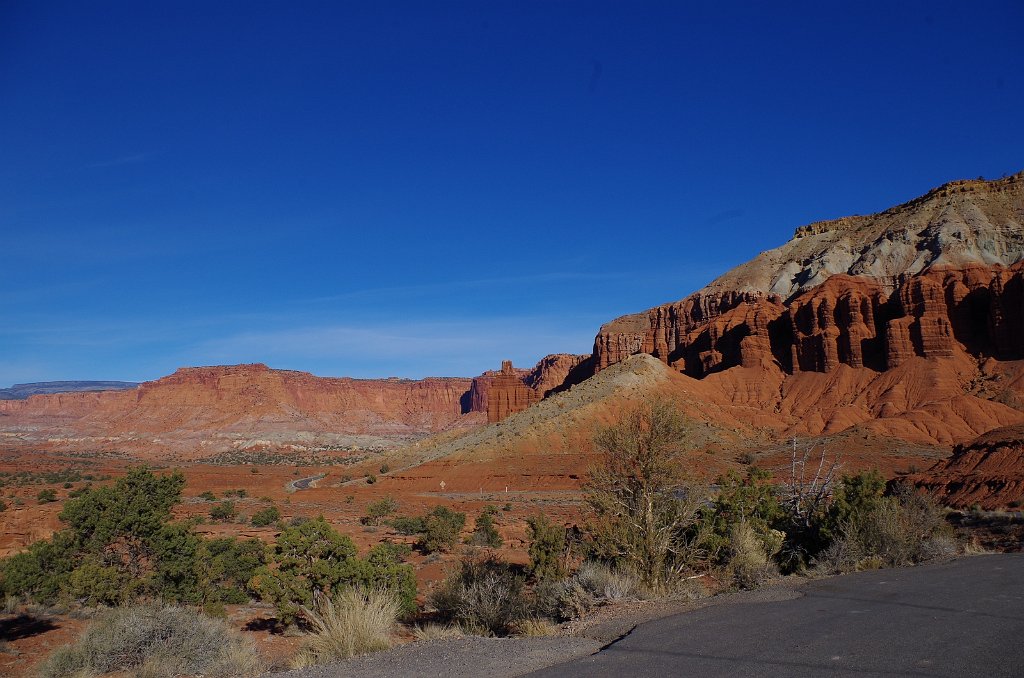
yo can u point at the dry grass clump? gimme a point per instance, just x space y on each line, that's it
438 632
535 627
355 622
750 562
608 583
154 642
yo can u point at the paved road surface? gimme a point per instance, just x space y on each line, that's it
962 618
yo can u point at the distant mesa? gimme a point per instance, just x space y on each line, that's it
22 391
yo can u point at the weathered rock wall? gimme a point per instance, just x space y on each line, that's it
846 320
508 394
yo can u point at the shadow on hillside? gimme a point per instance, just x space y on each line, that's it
24 626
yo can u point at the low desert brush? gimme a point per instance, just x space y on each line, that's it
156 642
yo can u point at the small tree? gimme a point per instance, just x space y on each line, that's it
46 496
441 528
547 544
644 510
310 558
484 531
223 511
377 511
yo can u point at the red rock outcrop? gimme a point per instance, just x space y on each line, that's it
553 371
508 394
988 471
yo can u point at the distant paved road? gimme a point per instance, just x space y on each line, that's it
304 483
963 618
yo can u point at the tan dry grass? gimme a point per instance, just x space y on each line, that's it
355 622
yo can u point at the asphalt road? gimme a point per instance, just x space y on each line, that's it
961 618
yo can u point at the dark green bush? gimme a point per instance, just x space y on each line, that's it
267 516
377 511
224 511
484 531
547 547
46 496
118 543
313 558
408 525
226 565
441 528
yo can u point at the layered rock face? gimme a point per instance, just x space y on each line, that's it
508 394
978 310
927 278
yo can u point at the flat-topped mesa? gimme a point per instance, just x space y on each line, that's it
921 279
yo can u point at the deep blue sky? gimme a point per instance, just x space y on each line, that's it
384 188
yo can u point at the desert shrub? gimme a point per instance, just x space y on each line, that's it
46 496
377 511
267 516
485 595
562 599
370 479
154 641
386 569
208 496
484 531
535 627
313 558
888 531
408 525
3 506
384 468
441 528
751 500
592 584
856 495
645 513
224 511
355 622
547 546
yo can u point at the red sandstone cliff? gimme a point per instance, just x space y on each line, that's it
888 322
508 394
502 393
